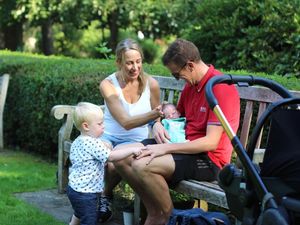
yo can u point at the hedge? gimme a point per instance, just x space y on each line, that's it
38 83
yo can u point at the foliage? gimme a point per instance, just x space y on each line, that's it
150 50
177 196
21 172
70 19
251 35
104 50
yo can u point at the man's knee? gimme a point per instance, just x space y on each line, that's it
139 166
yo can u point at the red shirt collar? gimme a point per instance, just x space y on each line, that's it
203 81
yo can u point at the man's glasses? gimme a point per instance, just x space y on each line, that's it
177 74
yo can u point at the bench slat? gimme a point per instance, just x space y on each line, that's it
246 123
261 109
171 96
207 191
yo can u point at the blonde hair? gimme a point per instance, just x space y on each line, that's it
130 44
85 112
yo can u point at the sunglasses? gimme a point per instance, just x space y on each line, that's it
177 74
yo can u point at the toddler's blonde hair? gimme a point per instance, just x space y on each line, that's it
85 112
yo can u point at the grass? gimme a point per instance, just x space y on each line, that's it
22 172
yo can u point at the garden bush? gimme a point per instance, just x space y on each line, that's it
38 83
252 35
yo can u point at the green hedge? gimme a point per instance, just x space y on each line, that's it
38 83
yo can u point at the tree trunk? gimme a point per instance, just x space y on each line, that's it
114 30
13 36
47 37
2 44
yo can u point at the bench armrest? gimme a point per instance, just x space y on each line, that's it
63 112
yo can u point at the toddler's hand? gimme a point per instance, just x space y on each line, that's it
136 152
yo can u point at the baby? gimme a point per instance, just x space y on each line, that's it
173 123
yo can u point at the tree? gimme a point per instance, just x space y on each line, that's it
11 27
254 35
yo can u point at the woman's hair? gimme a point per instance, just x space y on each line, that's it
130 44
85 112
181 51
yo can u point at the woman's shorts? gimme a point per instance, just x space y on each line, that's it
114 141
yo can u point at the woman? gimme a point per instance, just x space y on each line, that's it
131 102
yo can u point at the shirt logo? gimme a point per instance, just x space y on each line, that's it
202 109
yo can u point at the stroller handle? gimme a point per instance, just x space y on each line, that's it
246 81
242 81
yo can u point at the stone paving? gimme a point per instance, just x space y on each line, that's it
57 205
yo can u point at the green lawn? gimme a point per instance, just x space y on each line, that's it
21 172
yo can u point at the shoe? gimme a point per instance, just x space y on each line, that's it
105 213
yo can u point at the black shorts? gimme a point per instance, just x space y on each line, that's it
191 166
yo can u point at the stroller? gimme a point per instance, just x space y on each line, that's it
268 193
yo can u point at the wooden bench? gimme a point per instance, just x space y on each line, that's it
255 101
4 80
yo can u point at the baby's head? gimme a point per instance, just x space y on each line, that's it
88 119
170 111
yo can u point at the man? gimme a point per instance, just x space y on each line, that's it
165 164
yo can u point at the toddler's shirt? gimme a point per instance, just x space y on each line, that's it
88 156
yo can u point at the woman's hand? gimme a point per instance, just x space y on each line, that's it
159 111
160 134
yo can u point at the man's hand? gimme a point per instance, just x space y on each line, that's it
152 151
160 134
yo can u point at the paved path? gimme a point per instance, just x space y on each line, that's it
57 205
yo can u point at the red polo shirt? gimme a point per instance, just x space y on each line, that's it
194 107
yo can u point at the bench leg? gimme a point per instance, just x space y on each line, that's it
62 173
137 209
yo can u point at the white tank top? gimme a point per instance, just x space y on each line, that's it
143 105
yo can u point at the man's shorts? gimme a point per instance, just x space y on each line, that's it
191 166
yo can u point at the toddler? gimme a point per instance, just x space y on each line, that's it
88 156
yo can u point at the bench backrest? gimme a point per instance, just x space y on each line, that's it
4 80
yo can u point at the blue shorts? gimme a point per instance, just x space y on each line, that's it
114 141
85 206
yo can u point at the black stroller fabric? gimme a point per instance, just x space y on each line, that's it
282 155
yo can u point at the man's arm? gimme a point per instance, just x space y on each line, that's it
204 144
